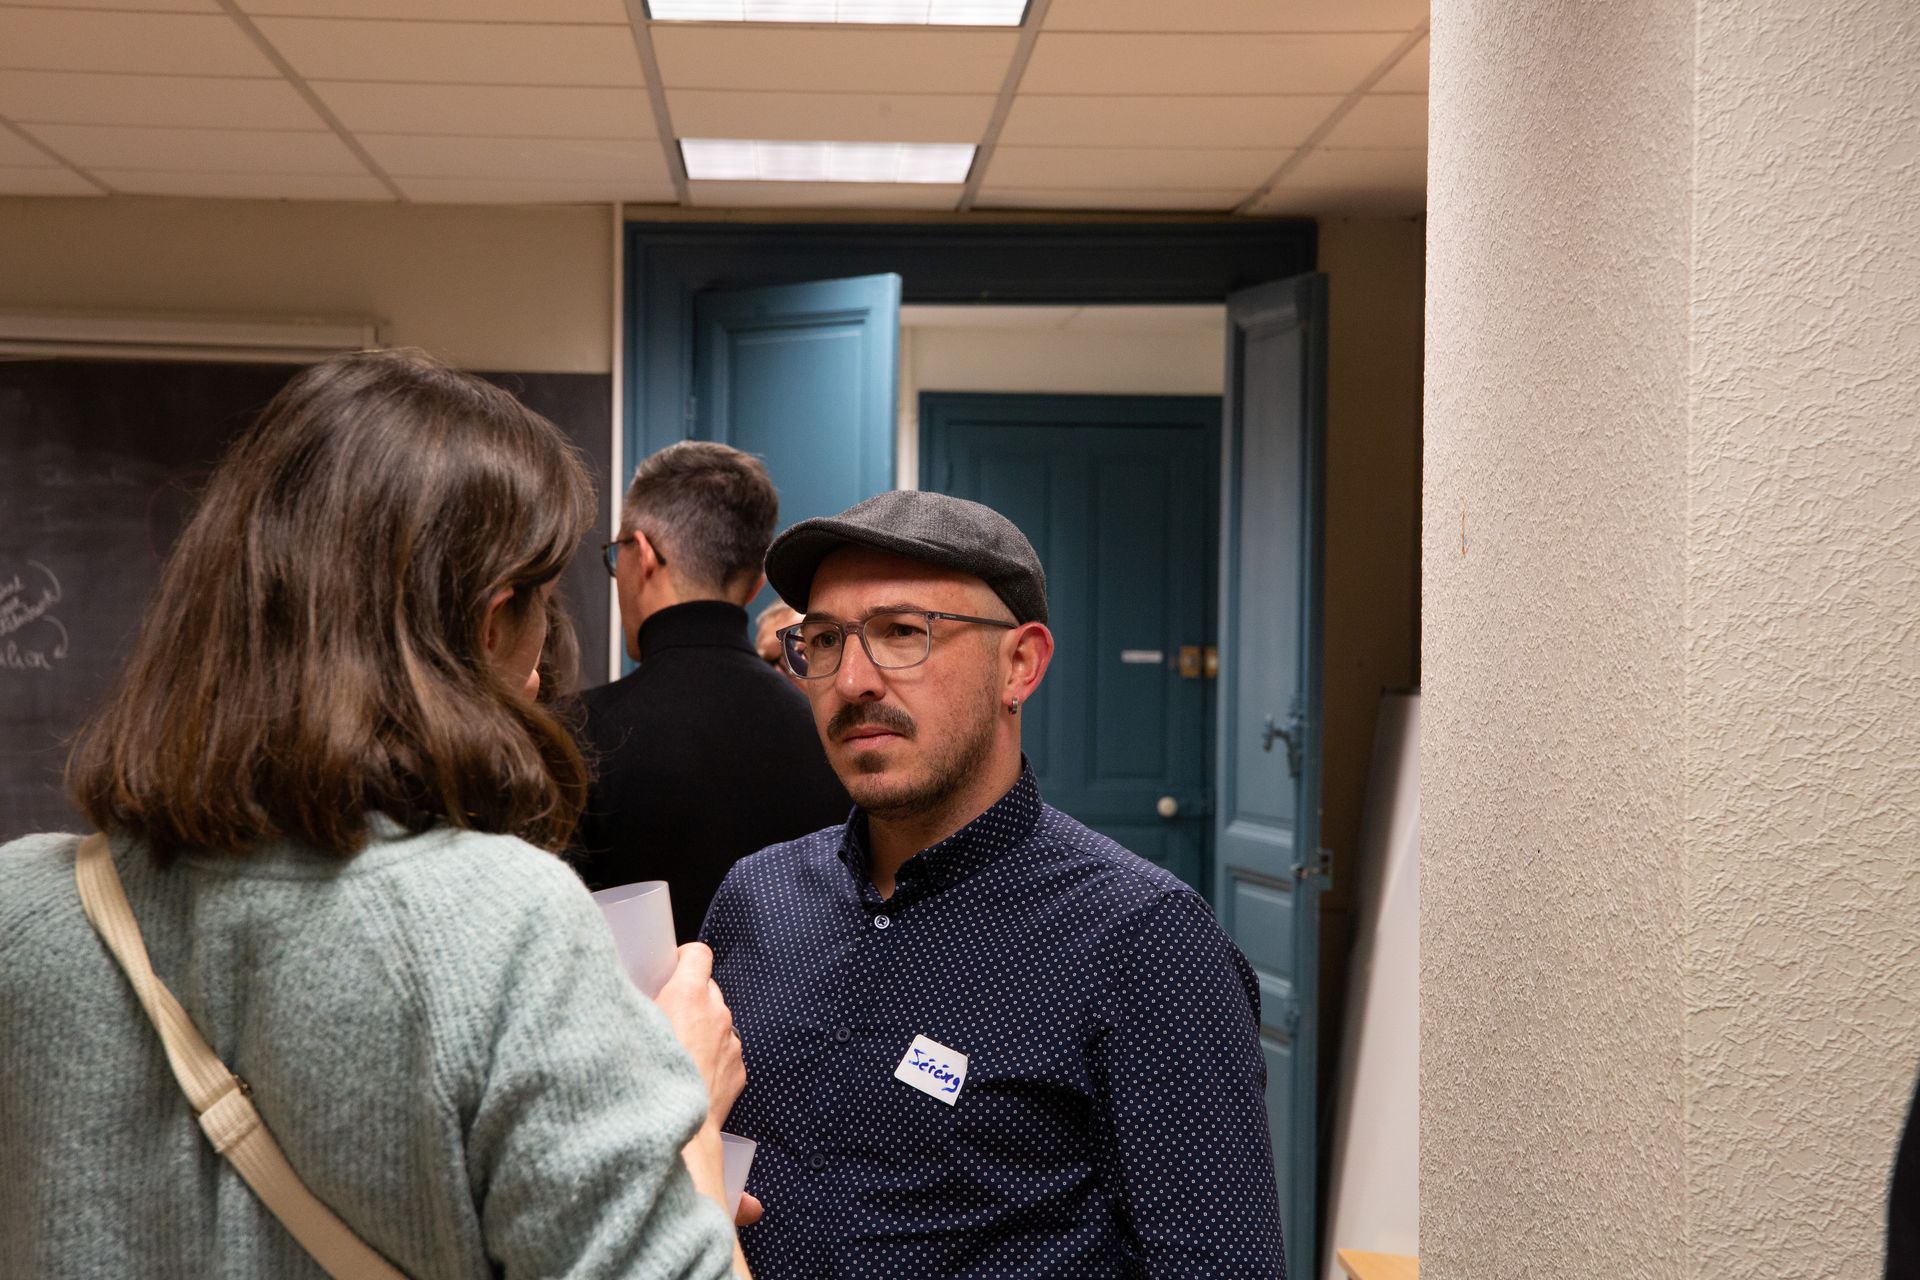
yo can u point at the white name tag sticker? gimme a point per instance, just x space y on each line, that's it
933 1069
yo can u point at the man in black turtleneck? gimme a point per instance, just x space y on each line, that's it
704 753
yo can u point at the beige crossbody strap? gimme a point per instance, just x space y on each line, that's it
221 1099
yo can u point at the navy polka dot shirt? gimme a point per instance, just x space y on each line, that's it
1108 1120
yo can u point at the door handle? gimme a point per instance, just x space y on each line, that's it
1294 735
1167 807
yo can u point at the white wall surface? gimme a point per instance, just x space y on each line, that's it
1373 1200
1670 923
1552 658
486 287
1803 655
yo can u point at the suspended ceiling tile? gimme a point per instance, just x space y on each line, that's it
833 59
1409 75
1160 169
1096 199
86 97
1236 15
497 111
534 159
605 190
17 151
155 6
824 195
263 151
455 52
1313 202
830 117
37 180
246 186
1165 122
164 43
1383 120
1360 169
1073 62
568 11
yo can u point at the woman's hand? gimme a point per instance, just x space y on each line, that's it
704 1026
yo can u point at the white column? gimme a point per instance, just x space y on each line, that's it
1552 870
1803 634
1671 653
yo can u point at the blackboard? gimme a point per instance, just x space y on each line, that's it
100 465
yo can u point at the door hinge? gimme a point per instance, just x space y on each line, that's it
1318 873
693 409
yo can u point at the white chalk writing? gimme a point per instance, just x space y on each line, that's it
26 601
19 606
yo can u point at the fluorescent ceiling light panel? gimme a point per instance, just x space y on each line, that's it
743 160
906 13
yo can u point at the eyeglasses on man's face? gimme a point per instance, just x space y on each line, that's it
893 639
610 553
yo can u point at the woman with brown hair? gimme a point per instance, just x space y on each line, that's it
331 795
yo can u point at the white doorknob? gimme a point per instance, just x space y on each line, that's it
1167 807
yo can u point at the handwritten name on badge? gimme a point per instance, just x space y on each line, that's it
933 1069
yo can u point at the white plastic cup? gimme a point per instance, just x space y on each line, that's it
736 1158
641 917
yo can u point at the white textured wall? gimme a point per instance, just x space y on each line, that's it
487 287
1552 876
1803 708
1671 913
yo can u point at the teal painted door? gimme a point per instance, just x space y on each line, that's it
1119 496
803 375
1269 872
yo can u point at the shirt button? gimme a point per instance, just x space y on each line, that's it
816 1161
842 1034
881 922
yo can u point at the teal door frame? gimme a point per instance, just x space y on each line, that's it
667 264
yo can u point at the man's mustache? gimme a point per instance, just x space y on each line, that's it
878 714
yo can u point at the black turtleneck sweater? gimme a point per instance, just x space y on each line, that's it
702 755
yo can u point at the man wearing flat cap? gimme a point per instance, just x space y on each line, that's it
981 1040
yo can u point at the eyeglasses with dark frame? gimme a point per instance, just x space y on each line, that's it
610 553
893 639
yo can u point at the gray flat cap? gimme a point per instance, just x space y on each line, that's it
931 527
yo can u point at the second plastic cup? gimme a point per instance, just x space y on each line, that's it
641 917
736 1158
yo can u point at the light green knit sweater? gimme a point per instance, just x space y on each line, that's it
437 1032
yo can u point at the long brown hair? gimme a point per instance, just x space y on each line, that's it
314 653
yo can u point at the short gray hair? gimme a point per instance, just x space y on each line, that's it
708 507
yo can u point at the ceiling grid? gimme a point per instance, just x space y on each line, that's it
641 26
1333 120
1249 107
311 98
1036 18
27 146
